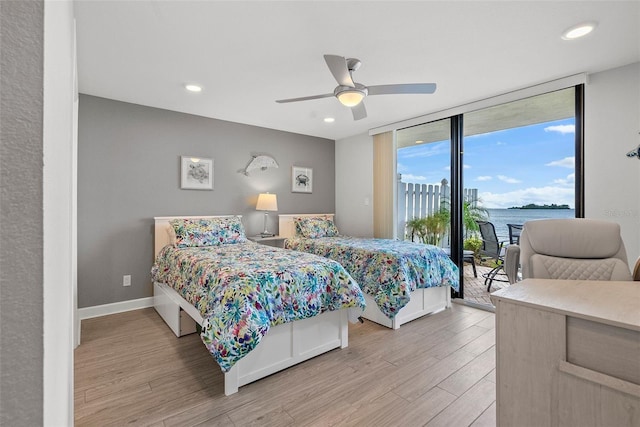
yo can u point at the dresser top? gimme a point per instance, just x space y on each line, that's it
614 303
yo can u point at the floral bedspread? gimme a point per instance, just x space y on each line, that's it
389 270
242 289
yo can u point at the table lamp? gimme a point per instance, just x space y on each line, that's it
266 202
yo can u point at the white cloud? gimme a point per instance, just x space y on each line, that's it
538 195
569 180
562 129
484 178
567 162
508 180
410 178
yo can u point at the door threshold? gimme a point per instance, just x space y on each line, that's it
484 307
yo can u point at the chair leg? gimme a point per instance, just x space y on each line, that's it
472 261
490 276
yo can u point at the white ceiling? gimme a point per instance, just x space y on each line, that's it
248 54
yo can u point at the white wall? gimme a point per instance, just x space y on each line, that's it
612 112
354 185
60 152
612 128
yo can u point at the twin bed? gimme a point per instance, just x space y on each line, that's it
262 309
401 280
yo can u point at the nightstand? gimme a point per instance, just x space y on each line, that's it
276 241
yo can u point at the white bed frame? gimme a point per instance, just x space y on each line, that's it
423 301
284 346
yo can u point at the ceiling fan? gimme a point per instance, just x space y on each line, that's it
351 94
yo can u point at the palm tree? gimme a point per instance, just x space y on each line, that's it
430 229
471 213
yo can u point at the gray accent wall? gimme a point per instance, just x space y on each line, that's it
21 213
129 172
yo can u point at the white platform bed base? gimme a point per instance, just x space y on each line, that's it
422 302
284 346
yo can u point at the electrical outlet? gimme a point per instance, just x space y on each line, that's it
126 280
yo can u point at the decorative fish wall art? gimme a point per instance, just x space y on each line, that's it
262 162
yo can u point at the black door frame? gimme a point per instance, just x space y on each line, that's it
457 187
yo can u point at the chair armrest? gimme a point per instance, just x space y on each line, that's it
512 263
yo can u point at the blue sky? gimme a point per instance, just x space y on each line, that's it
513 167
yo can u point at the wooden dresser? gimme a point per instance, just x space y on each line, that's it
568 353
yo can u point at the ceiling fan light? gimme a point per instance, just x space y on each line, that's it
351 98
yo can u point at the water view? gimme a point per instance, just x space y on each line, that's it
501 217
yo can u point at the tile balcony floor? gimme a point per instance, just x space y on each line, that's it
475 290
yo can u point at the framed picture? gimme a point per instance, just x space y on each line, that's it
196 173
301 179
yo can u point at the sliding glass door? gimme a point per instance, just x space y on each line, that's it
502 165
520 159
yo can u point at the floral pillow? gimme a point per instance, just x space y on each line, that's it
208 231
314 227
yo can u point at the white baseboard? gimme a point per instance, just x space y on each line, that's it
116 307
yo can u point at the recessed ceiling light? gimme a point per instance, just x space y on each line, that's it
193 88
329 120
578 31
419 141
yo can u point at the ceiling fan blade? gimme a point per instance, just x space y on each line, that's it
402 88
304 98
359 112
338 67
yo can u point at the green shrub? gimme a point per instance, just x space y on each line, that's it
473 244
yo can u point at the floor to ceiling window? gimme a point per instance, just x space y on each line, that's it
517 161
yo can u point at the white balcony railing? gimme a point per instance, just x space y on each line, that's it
421 200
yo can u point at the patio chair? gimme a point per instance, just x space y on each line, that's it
492 248
569 249
514 233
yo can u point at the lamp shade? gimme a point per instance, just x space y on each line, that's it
267 202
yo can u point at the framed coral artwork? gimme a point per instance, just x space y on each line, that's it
196 173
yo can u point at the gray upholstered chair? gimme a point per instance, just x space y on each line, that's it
572 249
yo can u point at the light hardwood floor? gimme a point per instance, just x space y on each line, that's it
435 371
